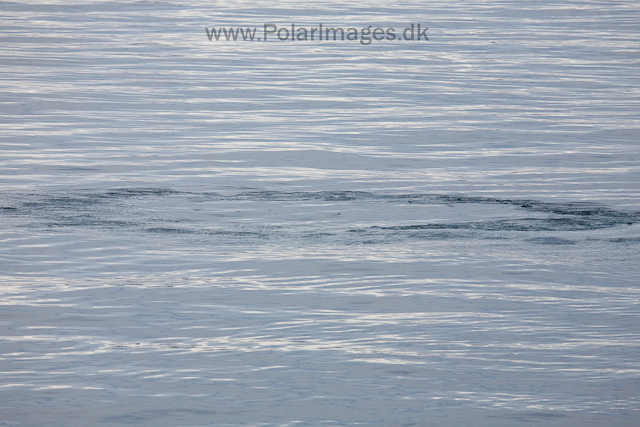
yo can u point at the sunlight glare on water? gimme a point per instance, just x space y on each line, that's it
290 233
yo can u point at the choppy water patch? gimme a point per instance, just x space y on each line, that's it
169 212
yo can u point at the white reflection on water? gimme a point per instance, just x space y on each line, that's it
197 233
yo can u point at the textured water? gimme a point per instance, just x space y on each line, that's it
198 233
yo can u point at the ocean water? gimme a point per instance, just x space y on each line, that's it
289 233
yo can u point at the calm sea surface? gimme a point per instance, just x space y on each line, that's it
289 233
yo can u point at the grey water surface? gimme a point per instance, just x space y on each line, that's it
288 233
